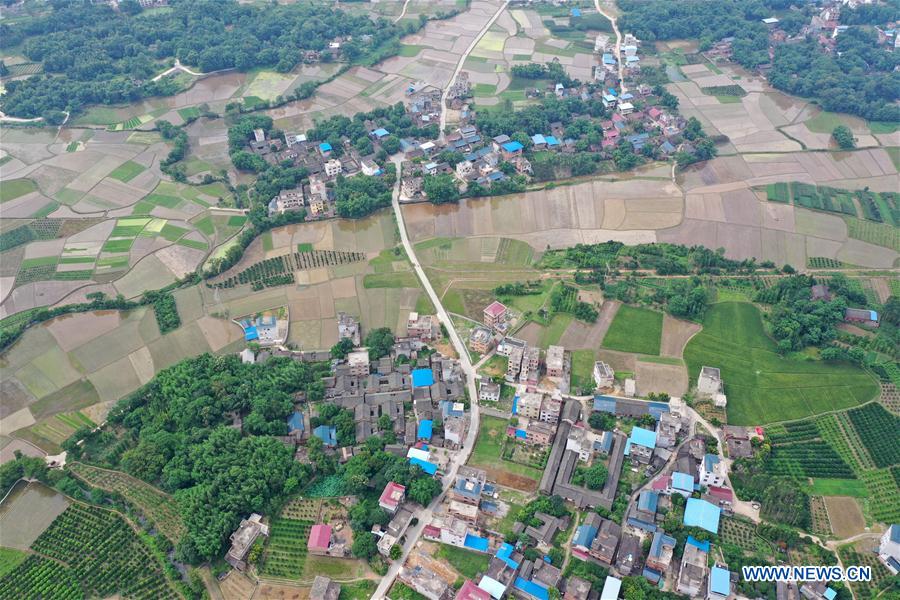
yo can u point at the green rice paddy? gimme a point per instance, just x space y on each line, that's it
636 330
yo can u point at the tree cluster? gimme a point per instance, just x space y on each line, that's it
174 432
92 54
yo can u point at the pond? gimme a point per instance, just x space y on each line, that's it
27 511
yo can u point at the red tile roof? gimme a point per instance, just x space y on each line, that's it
319 537
470 591
495 309
392 495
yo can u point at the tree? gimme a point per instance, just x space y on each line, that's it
395 552
594 477
340 350
380 342
441 188
602 421
364 545
424 489
843 137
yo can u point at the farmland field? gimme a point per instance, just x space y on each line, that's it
491 437
636 330
285 551
762 386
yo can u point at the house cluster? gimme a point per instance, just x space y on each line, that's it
608 69
511 574
423 104
321 162
393 500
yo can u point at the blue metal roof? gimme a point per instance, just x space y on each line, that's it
648 500
660 541
504 552
651 575
515 406
447 410
604 444
476 543
461 489
657 408
327 434
422 378
644 525
608 59
512 146
584 535
325 147
720 581
522 434
698 544
710 461
295 422
426 466
605 404
641 437
381 132
700 513
683 482
250 333
551 141
425 427
576 12
829 593
532 588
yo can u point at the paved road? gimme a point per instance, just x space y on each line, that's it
402 12
459 65
615 27
462 455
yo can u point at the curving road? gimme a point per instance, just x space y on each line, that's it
615 27
462 455
462 59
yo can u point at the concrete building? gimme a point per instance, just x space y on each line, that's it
242 540
712 471
556 361
481 340
889 549
348 328
719 587
422 327
603 548
603 374
692 575
287 200
324 589
710 385
494 315
530 405
469 485
392 497
358 362
489 392
514 364
333 167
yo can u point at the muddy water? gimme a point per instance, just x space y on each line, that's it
27 511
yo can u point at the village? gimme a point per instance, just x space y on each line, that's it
606 117
658 458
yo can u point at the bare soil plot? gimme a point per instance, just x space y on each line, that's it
578 336
654 377
237 586
71 331
675 335
15 396
8 452
845 516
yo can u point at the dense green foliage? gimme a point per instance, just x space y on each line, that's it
441 189
379 341
392 118
859 78
781 499
798 321
843 137
339 418
22 466
94 55
360 195
175 434
552 71
166 312
593 477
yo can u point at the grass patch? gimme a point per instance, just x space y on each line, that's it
410 50
401 279
763 386
171 232
10 559
554 331
236 221
127 171
267 241
635 330
824 122
822 486
114 246
582 369
883 127
304 247
198 245
468 563
14 188
42 261
206 226
485 89
491 437
361 590
191 112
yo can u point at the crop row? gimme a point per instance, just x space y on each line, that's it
809 459
104 554
798 431
879 431
286 548
156 505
